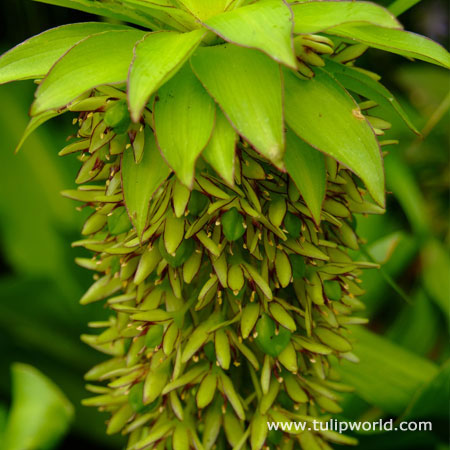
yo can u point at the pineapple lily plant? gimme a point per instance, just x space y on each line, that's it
225 149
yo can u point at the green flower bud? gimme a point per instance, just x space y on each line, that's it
269 339
233 225
182 254
333 290
117 117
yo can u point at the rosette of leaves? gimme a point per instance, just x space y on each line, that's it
224 152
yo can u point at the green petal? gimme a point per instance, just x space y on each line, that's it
156 59
247 86
184 120
34 57
311 17
265 25
99 59
140 181
401 42
219 152
325 116
306 166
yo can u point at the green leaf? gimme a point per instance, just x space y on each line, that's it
247 86
417 326
387 375
164 14
219 152
378 284
34 57
118 221
361 84
325 116
203 10
271 341
431 401
140 181
400 6
265 25
118 11
184 119
435 274
233 224
401 42
36 250
311 17
99 59
33 124
3 418
40 414
156 59
400 180
306 166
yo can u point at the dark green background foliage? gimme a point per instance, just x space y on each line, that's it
403 373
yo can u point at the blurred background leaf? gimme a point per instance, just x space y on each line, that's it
40 414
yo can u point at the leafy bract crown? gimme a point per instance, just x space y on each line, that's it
210 71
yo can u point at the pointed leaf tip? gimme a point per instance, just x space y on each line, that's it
157 57
362 84
405 43
220 151
140 181
34 57
266 26
306 167
332 127
33 124
184 116
100 59
247 86
315 16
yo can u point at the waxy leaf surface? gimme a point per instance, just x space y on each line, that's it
184 116
99 59
126 10
265 25
247 86
401 42
311 17
140 181
157 58
362 84
219 152
165 14
325 116
34 57
203 10
306 166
